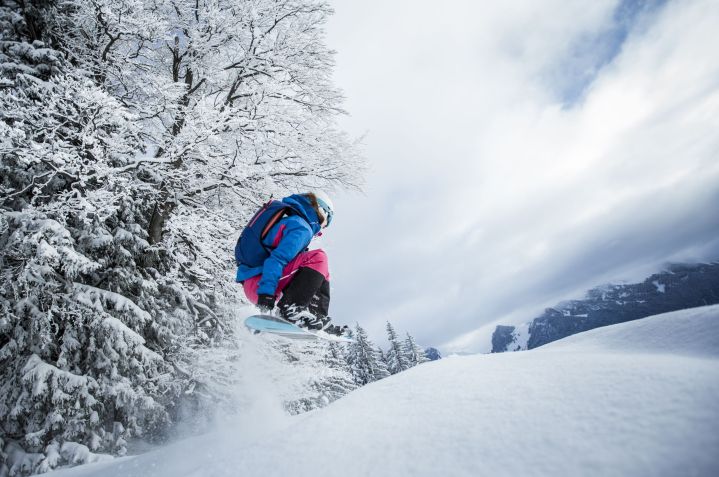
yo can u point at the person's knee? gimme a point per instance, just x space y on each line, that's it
319 255
322 262
317 260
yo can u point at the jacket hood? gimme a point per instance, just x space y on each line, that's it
303 207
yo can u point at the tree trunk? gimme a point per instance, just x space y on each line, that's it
160 213
163 207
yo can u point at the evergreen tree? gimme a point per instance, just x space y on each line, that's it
381 371
396 360
339 381
382 357
413 353
126 162
81 358
363 359
321 374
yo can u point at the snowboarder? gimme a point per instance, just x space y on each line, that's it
274 261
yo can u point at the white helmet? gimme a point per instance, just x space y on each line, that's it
326 207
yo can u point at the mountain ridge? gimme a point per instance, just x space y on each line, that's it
680 286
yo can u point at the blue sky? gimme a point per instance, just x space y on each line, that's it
520 153
591 51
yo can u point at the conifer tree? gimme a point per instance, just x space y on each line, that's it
413 353
382 357
339 381
381 371
396 360
320 374
363 359
81 358
127 162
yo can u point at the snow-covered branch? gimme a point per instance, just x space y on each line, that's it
131 152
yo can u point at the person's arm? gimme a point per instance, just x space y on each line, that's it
295 237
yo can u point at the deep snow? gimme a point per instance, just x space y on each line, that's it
636 399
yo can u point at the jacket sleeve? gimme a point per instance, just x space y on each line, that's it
295 238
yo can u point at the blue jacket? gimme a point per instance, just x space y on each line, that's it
290 236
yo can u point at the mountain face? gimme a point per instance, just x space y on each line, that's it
432 354
503 338
681 286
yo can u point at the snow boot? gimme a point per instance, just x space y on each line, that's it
297 296
306 301
320 323
337 330
320 303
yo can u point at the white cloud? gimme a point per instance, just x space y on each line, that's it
490 198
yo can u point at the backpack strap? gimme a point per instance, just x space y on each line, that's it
273 220
250 248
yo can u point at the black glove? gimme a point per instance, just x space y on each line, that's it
265 303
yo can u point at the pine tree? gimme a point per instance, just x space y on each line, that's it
339 381
80 357
382 357
413 353
381 371
363 359
396 360
126 163
320 374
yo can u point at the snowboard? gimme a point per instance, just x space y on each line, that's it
277 326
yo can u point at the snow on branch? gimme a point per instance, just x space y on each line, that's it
90 296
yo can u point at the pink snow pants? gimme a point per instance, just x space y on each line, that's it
314 259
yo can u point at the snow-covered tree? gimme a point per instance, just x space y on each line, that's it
395 356
382 357
320 373
381 371
339 381
363 358
413 353
135 135
88 335
236 97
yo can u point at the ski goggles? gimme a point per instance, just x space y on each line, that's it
327 210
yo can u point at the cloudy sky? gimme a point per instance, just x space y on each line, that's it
520 153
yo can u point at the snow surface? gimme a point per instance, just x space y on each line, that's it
520 337
660 286
635 399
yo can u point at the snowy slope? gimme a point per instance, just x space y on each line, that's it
635 399
677 333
